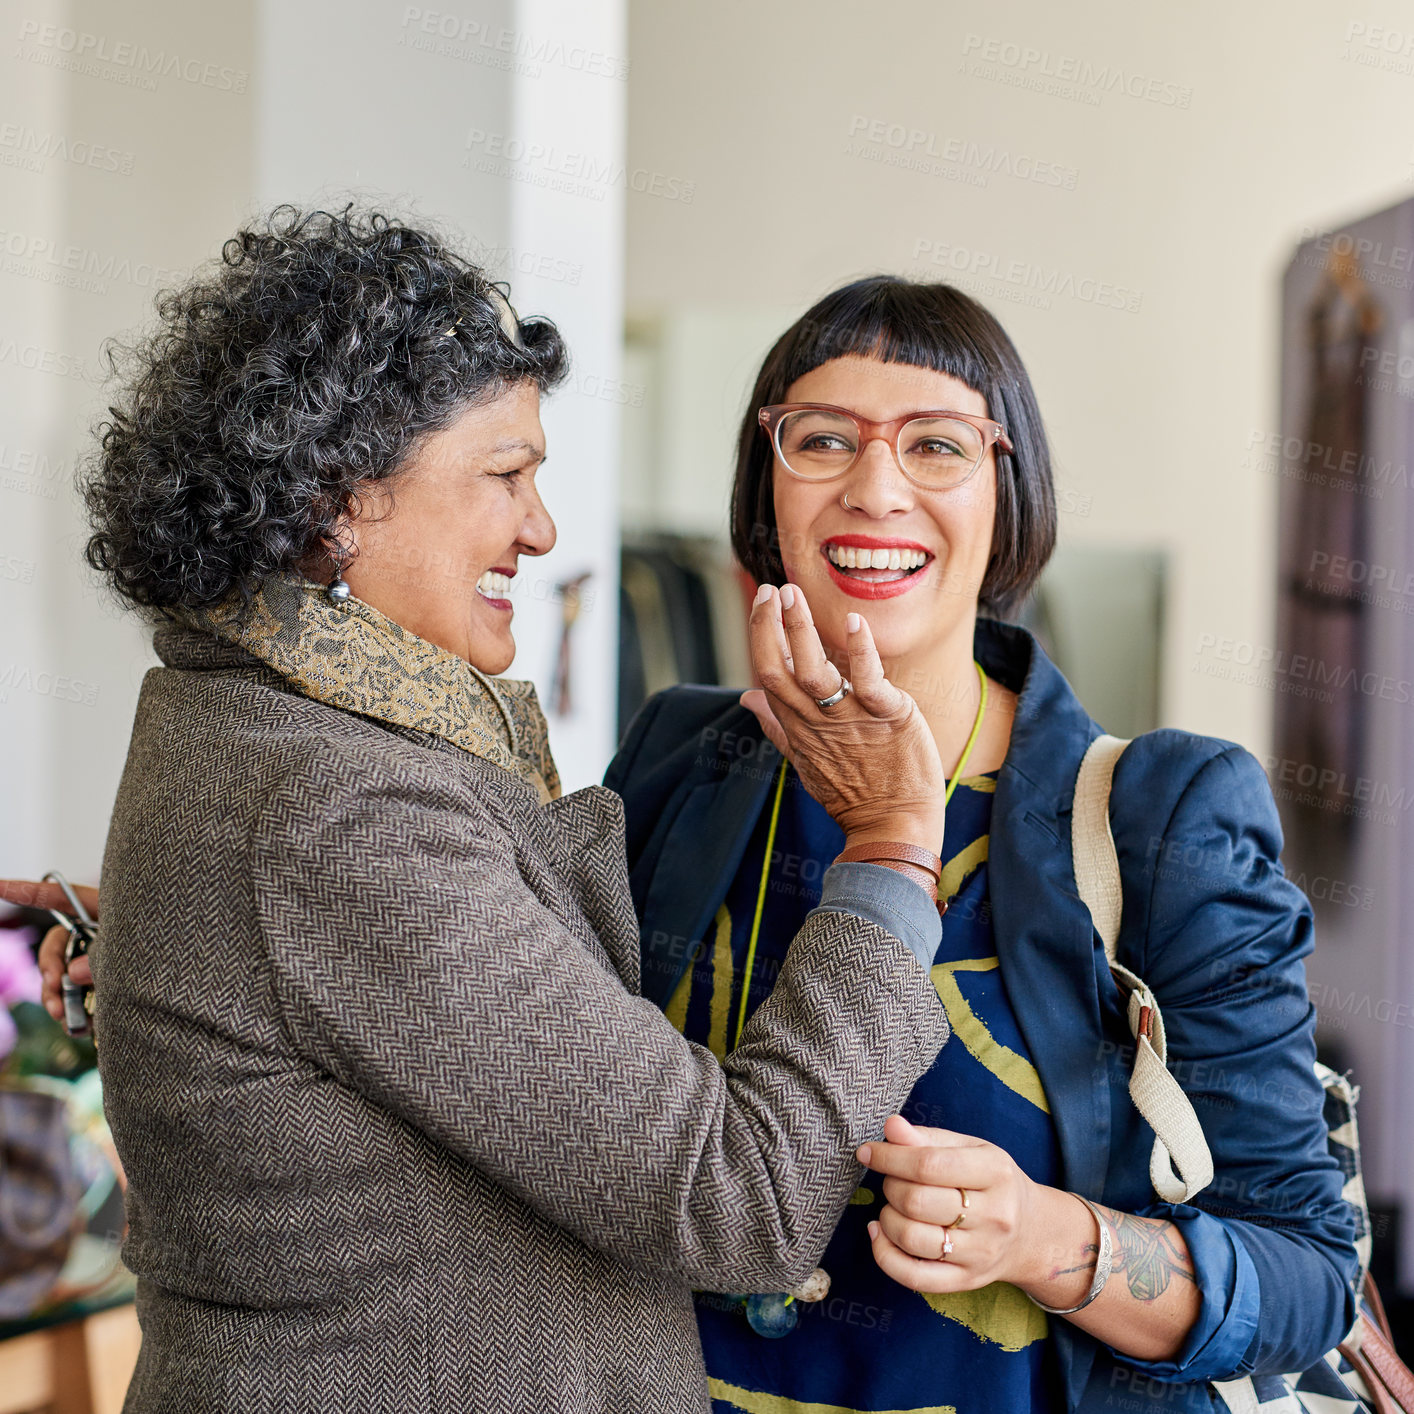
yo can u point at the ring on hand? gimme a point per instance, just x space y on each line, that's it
838 695
957 1221
948 1227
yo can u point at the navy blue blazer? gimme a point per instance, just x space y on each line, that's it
1210 922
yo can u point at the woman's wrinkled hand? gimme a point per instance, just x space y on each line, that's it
51 951
924 1170
869 759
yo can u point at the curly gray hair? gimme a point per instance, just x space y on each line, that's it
307 365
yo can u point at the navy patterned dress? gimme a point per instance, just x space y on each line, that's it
873 1345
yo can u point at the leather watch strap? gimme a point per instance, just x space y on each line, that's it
895 850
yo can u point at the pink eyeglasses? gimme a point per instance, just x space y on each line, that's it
935 450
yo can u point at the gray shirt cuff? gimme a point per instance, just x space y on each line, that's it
886 897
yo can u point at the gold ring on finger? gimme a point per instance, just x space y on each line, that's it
957 1221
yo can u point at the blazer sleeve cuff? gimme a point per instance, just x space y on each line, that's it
1217 1346
884 896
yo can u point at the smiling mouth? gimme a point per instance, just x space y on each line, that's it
876 564
494 586
879 571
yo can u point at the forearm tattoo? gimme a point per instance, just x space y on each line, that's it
1149 1252
1089 1260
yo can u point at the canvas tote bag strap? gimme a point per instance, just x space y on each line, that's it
1181 1164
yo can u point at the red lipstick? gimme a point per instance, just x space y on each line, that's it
875 542
874 589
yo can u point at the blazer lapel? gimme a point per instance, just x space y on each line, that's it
701 851
1046 941
1048 951
586 834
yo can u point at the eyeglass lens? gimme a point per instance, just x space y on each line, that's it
935 451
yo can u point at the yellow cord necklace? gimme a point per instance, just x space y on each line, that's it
771 843
769 1313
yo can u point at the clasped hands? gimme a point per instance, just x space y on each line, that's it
1013 1230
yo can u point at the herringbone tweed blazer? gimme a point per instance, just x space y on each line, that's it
399 1132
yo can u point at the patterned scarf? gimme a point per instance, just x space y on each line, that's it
351 656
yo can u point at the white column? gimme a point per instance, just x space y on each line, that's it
566 260
503 122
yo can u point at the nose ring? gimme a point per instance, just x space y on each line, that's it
846 501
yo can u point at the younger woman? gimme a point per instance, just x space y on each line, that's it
892 465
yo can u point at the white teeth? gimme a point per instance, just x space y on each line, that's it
493 585
850 557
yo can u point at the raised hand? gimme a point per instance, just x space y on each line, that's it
868 758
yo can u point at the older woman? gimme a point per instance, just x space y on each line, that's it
893 468
399 1132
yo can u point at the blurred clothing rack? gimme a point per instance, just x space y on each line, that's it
682 617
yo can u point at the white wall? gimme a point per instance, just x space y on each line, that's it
205 115
124 159
1184 202
30 397
502 120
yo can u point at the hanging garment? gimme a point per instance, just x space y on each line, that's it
1321 616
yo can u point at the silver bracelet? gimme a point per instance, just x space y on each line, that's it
1102 1265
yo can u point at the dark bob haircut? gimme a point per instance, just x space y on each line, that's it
307 364
924 326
